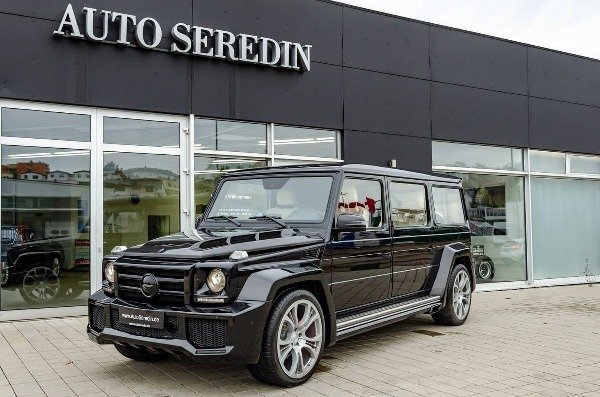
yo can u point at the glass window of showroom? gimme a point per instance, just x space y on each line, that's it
77 181
563 206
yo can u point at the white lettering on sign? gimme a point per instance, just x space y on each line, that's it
186 39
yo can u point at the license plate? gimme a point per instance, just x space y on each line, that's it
141 318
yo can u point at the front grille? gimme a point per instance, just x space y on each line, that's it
98 318
171 281
170 330
207 334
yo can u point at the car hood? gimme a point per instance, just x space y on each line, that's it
218 244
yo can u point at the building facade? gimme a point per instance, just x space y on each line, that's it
117 119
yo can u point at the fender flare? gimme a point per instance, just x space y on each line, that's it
450 254
266 285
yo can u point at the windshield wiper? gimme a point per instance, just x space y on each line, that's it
225 218
270 218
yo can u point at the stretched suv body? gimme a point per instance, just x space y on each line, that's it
286 261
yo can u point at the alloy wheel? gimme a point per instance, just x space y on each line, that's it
299 339
461 294
40 284
485 270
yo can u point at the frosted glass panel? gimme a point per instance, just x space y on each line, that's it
462 155
585 165
565 219
547 162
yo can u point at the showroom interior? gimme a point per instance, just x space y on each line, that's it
106 145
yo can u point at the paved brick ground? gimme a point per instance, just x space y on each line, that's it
542 341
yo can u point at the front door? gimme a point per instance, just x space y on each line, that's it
411 241
362 260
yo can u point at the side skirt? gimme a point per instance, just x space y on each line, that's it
357 323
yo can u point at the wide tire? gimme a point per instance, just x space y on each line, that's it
458 298
293 341
141 354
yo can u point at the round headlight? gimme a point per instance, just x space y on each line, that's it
216 281
109 272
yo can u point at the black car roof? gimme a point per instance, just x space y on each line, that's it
356 168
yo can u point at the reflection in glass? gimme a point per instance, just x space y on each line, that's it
565 216
141 132
408 204
208 171
362 197
585 165
231 136
551 162
45 125
449 154
141 198
45 227
299 199
294 141
496 211
448 206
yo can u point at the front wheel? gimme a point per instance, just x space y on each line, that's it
458 298
140 354
293 342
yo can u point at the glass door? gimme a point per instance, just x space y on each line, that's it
144 174
46 218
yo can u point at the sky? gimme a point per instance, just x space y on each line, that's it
569 25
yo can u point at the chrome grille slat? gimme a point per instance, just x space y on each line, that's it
171 280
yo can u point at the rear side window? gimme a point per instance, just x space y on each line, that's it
448 206
408 204
362 197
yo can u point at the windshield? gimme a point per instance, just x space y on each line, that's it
300 199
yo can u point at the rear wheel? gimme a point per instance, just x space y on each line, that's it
485 270
140 353
458 298
293 342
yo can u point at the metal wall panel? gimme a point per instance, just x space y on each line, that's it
385 44
131 78
386 103
167 13
247 92
564 126
476 115
309 22
411 153
478 61
559 76
34 66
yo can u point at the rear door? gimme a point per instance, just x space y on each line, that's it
412 256
361 264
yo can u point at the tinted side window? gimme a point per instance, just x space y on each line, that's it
408 204
362 197
448 206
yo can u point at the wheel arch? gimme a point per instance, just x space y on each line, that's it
270 285
452 255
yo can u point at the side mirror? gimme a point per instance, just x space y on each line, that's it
350 223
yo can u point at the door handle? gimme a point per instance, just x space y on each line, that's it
431 248
386 255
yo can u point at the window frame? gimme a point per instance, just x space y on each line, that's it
462 200
385 224
428 199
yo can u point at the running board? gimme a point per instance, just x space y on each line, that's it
351 325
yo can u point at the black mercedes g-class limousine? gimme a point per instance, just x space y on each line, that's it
286 261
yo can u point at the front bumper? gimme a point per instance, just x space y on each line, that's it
230 334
